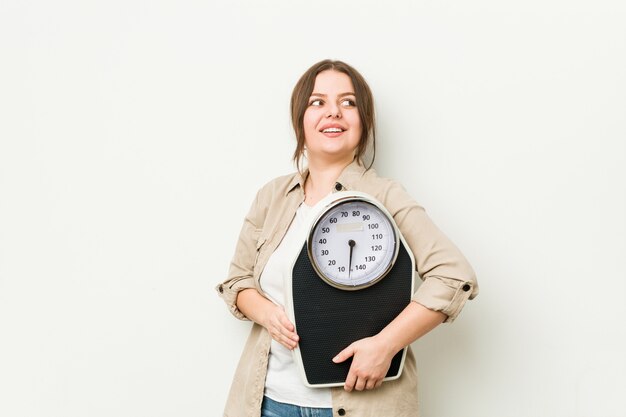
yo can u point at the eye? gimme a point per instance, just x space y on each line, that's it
316 102
348 102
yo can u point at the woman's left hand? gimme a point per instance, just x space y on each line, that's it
371 360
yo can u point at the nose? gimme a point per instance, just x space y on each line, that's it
334 111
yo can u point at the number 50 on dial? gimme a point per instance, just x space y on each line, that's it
353 244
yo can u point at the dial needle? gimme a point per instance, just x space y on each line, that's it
351 243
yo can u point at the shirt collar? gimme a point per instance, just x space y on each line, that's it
346 181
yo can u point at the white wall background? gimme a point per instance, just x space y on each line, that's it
133 135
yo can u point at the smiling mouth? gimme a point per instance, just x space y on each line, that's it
332 130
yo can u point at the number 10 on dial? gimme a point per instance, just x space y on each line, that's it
353 244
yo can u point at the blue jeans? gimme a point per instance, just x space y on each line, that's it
271 408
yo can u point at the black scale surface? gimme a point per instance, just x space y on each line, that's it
329 319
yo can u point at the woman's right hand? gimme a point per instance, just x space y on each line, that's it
269 315
279 327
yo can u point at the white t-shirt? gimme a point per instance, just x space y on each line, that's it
283 382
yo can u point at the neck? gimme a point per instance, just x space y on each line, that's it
322 178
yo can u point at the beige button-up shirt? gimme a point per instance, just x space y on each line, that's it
448 281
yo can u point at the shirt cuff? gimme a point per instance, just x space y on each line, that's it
228 292
445 295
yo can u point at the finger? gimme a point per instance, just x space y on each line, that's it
288 344
344 354
350 381
280 334
288 333
283 340
277 324
286 323
288 337
360 384
281 321
371 384
378 383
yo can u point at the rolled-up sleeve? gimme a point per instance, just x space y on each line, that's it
445 295
241 271
448 278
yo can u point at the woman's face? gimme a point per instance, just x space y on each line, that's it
332 126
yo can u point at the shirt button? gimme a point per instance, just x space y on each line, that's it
341 412
338 187
466 287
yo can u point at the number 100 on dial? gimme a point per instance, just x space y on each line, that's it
353 244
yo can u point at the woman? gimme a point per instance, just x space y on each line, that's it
332 112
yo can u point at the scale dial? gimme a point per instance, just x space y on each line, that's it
353 244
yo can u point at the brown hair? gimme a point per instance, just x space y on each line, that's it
364 103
